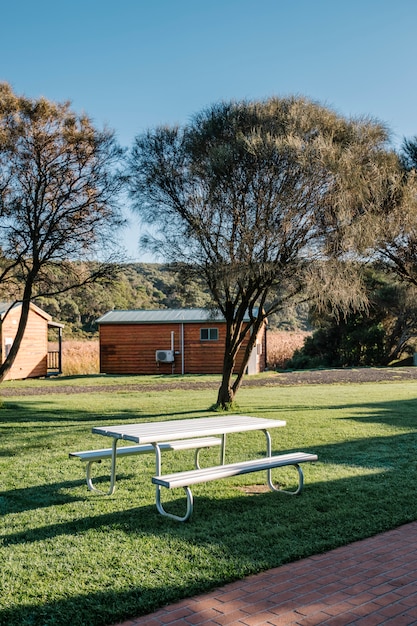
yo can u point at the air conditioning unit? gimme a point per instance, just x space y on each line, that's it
164 356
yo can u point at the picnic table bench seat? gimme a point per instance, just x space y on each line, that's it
201 475
96 456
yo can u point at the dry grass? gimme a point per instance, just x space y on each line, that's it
282 345
79 357
82 357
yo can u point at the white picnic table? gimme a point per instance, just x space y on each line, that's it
155 433
176 434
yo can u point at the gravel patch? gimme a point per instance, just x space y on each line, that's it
301 377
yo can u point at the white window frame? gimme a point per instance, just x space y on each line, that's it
212 334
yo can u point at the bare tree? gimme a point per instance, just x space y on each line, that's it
59 183
260 199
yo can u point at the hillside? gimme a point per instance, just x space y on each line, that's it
139 286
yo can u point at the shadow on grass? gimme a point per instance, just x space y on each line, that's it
402 414
385 462
30 498
93 609
248 533
21 413
49 494
269 529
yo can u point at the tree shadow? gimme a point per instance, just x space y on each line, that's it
383 455
310 524
48 494
250 532
16 412
402 414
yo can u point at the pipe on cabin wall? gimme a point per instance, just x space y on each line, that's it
182 349
59 350
266 347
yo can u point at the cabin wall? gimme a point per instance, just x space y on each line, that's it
130 348
31 360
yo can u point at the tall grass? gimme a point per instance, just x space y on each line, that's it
72 557
79 357
281 346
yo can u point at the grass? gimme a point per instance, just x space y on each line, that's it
69 556
102 380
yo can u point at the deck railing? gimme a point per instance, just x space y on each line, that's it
53 360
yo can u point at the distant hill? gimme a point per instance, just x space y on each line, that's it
140 286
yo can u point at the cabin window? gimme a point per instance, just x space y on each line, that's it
209 334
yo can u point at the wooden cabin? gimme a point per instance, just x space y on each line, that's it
32 359
171 341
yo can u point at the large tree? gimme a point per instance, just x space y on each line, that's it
395 241
260 199
59 183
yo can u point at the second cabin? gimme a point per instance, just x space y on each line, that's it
169 341
34 359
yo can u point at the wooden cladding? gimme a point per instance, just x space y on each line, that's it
31 360
131 348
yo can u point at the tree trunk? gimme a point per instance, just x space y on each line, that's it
250 346
228 390
226 393
6 366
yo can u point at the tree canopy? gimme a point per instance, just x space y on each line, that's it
394 235
380 335
262 200
59 185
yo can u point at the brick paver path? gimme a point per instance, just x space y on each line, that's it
367 583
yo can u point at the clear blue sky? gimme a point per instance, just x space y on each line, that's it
135 64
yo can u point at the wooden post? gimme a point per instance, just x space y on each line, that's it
59 350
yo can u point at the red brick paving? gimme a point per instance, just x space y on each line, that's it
367 583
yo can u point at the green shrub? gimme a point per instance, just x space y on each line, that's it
355 342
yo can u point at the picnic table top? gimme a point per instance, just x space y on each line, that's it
155 432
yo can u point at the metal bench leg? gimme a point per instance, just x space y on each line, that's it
89 480
223 450
88 476
269 472
197 458
178 518
90 484
113 468
158 490
291 493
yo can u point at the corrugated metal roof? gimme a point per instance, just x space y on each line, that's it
165 316
5 306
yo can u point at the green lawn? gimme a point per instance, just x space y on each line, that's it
70 556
